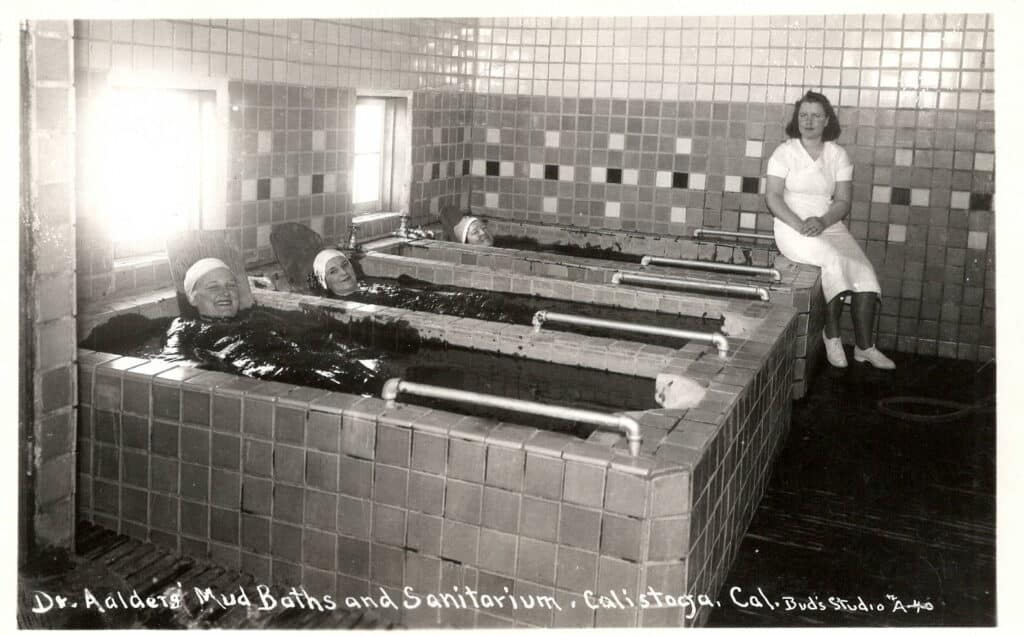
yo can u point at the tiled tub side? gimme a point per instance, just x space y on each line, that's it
800 287
345 496
727 445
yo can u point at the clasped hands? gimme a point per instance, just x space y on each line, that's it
812 226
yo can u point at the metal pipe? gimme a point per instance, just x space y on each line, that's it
620 277
395 386
700 231
713 266
717 339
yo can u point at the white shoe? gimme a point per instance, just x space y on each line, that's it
874 357
834 350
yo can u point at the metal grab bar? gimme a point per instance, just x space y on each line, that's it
713 266
394 386
697 233
620 277
719 340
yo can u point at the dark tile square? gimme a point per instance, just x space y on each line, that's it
133 504
465 167
136 468
288 503
225 451
900 196
195 407
289 464
226 413
258 458
136 432
259 417
256 496
355 477
163 512
680 179
551 172
194 519
322 471
614 175
106 428
435 170
981 201
195 445
163 475
224 525
166 402
164 439
56 389
225 488
318 183
750 184
353 556
256 534
262 189
290 425
195 481
321 509
492 168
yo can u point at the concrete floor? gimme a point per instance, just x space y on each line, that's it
863 506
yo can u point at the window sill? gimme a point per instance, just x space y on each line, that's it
137 262
375 216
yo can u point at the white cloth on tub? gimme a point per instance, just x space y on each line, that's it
809 188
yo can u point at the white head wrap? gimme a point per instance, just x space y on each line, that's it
462 227
320 264
199 269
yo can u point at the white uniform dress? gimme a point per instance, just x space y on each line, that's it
809 188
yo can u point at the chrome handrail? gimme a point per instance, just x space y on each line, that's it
717 339
620 277
394 386
697 233
712 266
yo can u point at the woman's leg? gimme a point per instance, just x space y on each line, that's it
833 311
864 319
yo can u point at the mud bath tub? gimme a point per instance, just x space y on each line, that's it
347 496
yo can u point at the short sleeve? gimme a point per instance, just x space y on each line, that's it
778 164
843 167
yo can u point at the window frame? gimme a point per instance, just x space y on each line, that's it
396 153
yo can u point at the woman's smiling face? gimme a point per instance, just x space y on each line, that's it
216 294
478 234
340 277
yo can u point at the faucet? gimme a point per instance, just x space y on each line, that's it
404 231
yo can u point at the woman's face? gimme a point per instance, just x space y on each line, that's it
340 277
812 120
216 294
478 235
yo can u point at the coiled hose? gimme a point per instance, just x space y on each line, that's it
890 406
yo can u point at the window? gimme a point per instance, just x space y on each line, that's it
153 159
381 163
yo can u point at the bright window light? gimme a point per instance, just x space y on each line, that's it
152 161
369 147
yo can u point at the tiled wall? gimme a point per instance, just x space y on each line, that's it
665 124
292 96
48 291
